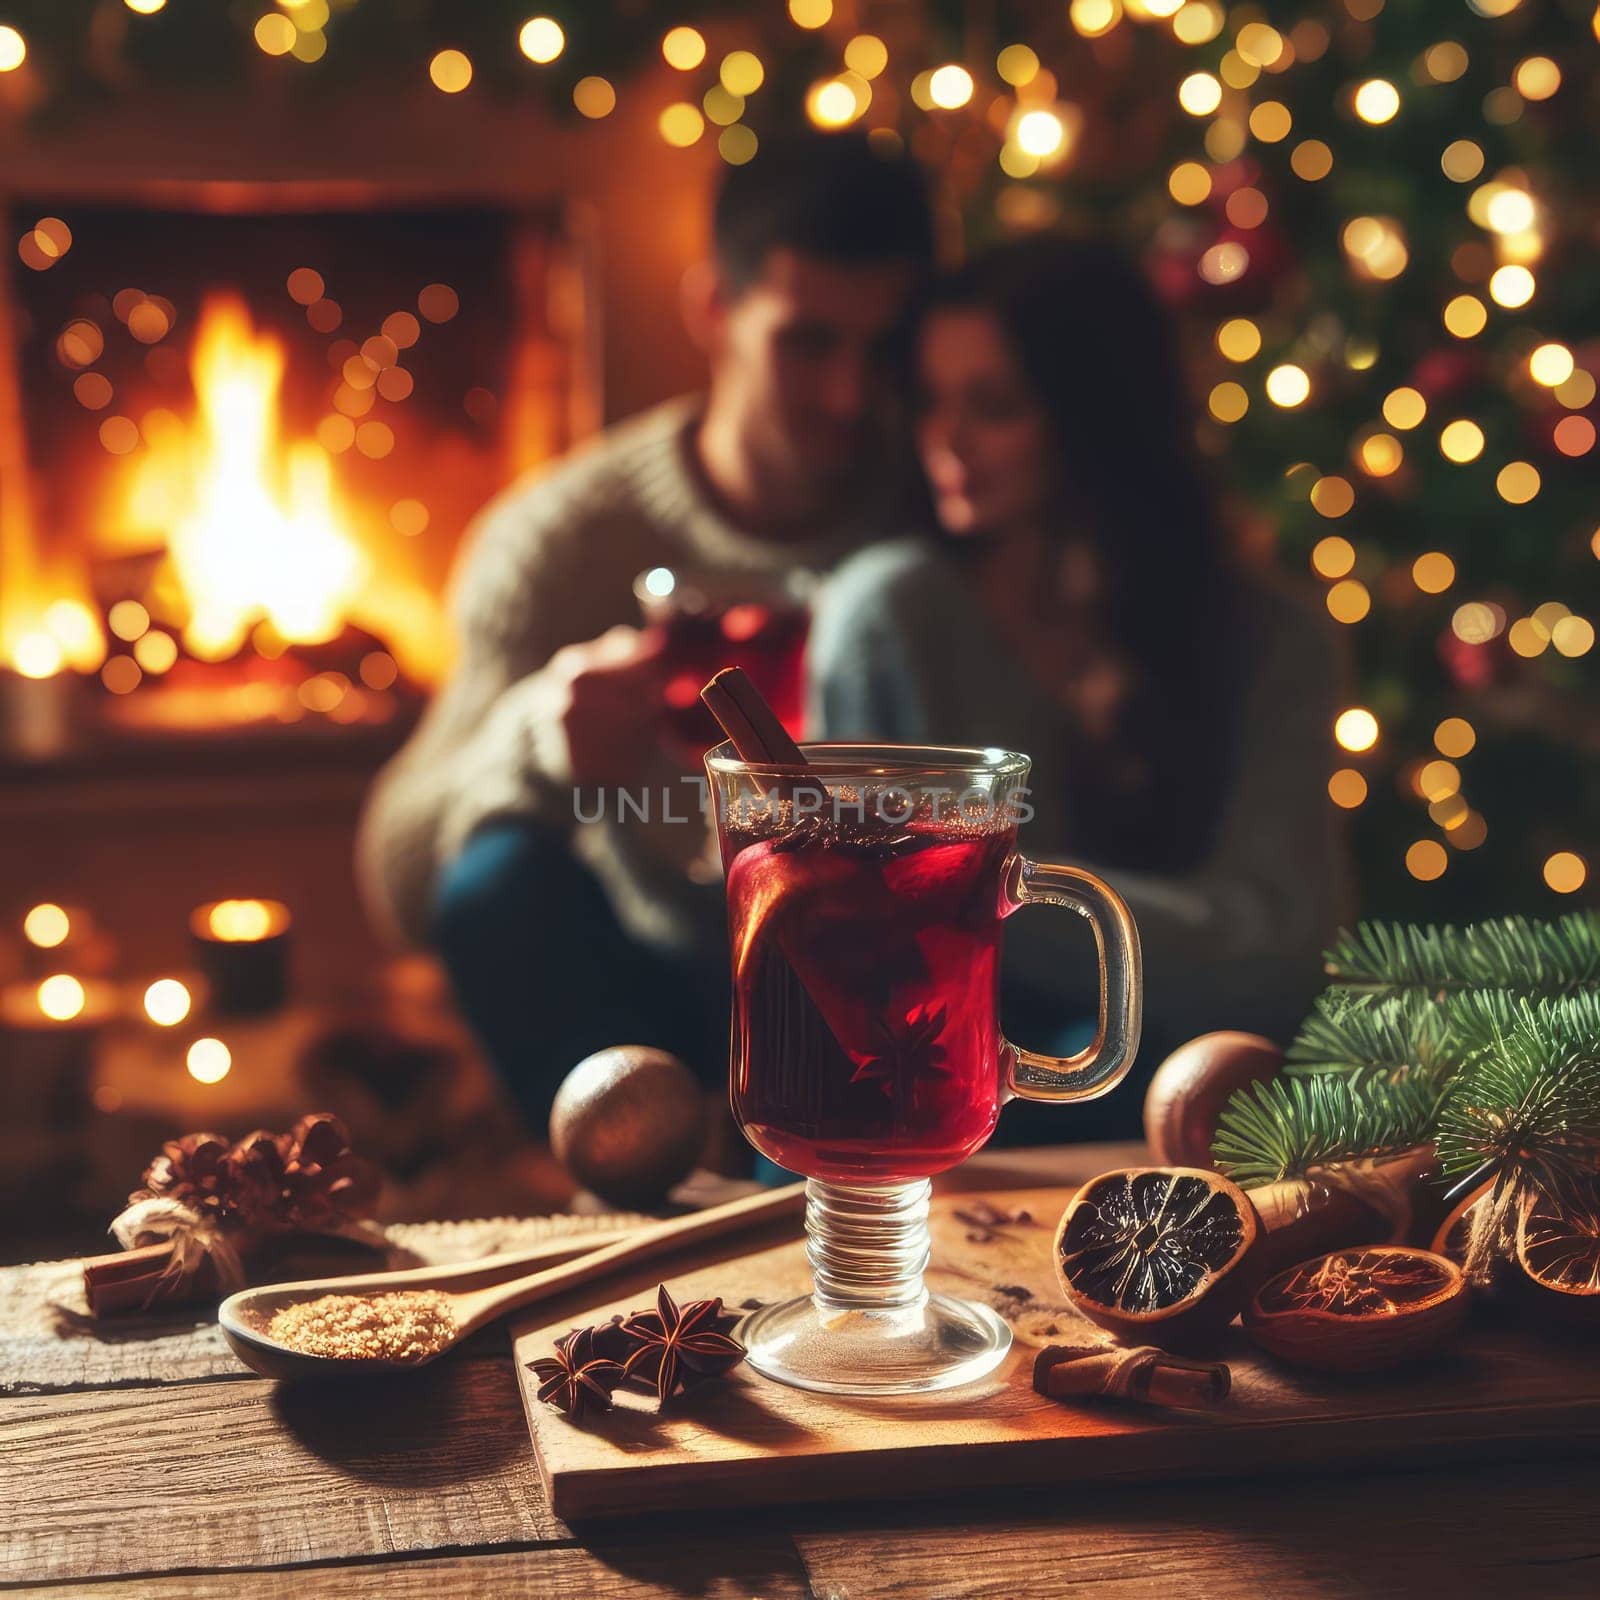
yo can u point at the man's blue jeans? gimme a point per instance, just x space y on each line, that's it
546 975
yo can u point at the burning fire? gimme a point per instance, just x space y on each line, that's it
255 534
260 537
254 530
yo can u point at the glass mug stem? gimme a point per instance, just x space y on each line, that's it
867 1246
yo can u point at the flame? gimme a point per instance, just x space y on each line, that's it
253 526
261 537
46 622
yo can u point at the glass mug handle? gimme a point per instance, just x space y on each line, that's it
1103 1063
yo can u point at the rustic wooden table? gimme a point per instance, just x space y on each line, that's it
153 1466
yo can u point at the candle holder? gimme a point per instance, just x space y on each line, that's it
47 1053
39 717
242 950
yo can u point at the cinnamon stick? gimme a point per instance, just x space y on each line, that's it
135 1280
1376 1200
749 722
1145 1374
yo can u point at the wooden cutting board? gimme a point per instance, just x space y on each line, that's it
748 1441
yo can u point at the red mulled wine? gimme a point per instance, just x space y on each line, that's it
866 971
766 639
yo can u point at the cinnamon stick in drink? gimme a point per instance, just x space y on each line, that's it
749 722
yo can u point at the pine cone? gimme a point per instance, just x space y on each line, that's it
192 1171
255 1179
267 1181
324 1182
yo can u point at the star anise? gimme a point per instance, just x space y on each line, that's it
575 1379
679 1346
905 1054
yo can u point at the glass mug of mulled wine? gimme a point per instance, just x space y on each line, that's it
710 620
866 899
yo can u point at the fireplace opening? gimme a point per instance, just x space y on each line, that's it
244 450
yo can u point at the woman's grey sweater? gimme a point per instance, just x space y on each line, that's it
901 650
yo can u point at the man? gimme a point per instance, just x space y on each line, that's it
562 935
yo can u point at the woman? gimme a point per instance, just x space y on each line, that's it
1081 607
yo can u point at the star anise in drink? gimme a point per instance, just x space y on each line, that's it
677 1347
575 1379
905 1054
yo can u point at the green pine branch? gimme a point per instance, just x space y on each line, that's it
1286 1126
1521 953
1354 1030
1524 1108
1485 1040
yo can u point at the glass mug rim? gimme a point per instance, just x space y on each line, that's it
847 760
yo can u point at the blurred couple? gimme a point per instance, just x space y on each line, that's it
1055 579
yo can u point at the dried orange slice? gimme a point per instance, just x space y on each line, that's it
1154 1253
1451 1237
1558 1247
1358 1310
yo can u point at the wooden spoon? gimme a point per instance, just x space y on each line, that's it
479 1292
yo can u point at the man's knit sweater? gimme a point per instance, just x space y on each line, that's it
551 563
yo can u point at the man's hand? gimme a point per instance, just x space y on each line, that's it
607 702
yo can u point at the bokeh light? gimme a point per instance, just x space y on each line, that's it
46 926
1332 496
868 55
741 72
1433 572
1551 365
1333 556
681 47
1189 183
1462 161
1377 101
1311 160
1511 286
1288 386
1200 94
208 1061
1517 482
167 1002
541 40
1427 860
1566 871
1461 440
1466 316
594 97
61 997
1017 65
950 87
1349 601
450 70
1404 408
1356 729
1347 788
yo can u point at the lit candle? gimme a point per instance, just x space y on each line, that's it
242 950
38 701
50 1030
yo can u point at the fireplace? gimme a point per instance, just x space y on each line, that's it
238 445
